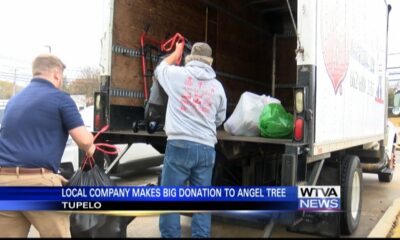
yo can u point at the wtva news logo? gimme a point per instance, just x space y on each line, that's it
319 198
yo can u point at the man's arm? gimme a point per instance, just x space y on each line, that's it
221 112
84 139
72 121
171 59
162 71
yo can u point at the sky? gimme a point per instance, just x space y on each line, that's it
73 29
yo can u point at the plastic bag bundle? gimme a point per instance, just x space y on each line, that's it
95 225
93 177
275 122
244 120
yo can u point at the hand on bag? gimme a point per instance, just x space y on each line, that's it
64 181
91 151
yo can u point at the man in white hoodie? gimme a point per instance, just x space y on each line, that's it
196 107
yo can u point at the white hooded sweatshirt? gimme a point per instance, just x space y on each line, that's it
196 102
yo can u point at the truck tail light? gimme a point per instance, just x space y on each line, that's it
298 129
97 121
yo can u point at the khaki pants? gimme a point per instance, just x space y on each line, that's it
17 224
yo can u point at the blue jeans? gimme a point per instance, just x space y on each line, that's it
187 161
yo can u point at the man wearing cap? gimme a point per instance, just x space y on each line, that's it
33 135
196 107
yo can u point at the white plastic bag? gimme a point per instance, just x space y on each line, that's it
245 117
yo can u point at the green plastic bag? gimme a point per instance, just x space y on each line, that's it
275 122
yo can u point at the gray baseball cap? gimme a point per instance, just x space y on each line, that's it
200 52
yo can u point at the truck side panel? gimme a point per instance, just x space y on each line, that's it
350 86
106 40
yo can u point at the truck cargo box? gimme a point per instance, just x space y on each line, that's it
324 60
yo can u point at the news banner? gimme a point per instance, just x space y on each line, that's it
156 198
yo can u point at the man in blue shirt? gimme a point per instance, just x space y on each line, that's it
33 135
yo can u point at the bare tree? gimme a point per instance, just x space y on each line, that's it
7 89
86 84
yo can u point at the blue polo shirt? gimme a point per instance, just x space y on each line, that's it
35 126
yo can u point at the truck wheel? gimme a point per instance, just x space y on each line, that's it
351 187
387 174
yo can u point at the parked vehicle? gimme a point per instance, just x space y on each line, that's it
324 60
138 154
3 104
1 114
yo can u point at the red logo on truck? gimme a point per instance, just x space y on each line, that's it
335 46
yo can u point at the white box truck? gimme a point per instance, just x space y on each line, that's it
325 60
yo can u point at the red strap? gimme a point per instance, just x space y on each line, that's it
91 162
102 147
104 129
169 44
105 148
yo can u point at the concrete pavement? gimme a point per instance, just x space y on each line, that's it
386 226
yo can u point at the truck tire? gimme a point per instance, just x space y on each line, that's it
385 177
351 193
